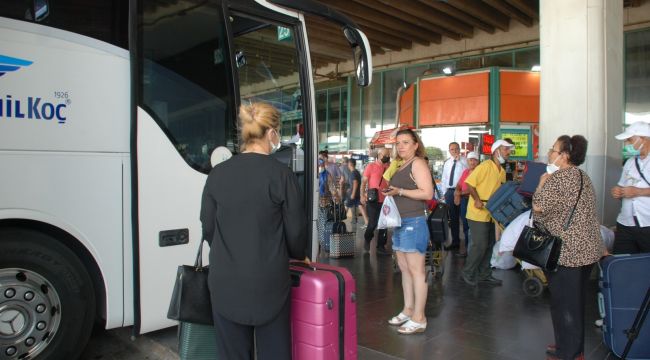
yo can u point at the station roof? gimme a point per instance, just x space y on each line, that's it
395 25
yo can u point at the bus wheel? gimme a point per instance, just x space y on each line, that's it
47 301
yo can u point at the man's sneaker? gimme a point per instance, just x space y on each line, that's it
491 280
467 280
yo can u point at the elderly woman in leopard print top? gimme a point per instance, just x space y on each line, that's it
564 186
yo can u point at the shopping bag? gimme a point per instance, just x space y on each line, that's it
389 215
196 342
191 297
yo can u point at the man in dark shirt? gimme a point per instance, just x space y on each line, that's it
354 186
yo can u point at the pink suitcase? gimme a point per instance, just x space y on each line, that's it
323 312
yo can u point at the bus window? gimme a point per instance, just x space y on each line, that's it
184 78
268 67
104 20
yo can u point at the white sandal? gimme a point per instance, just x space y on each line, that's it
399 319
412 327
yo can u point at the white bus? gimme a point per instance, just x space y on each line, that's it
109 111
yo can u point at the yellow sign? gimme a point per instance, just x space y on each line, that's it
521 143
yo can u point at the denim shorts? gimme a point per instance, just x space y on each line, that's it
412 236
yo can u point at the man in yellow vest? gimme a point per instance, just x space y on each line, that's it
482 183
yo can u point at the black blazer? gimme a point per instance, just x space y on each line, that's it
253 217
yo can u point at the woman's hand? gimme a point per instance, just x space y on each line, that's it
391 191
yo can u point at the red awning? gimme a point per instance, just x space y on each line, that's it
387 136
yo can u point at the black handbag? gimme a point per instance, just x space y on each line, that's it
373 195
538 246
191 297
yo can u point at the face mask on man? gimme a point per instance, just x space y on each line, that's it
385 159
551 168
500 158
629 148
275 147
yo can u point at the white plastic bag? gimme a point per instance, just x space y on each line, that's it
389 215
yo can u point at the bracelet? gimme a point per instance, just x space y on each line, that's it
400 192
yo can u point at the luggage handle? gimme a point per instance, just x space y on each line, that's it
302 265
601 305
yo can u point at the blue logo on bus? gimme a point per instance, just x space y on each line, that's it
32 107
9 64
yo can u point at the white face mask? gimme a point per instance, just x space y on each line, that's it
551 168
275 147
500 158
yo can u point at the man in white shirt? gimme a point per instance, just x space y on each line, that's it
633 222
452 169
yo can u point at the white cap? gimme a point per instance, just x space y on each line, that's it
497 144
472 155
219 155
638 128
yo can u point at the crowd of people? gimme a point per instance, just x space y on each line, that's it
260 223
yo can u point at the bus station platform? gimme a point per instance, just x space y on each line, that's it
464 322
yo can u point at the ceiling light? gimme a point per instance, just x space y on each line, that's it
447 70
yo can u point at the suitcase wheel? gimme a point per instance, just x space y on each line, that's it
533 287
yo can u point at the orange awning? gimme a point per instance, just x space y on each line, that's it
519 96
454 100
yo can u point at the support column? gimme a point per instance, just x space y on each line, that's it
581 51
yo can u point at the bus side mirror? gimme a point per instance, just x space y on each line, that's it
361 52
41 10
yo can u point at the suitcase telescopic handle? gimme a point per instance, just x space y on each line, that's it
302 265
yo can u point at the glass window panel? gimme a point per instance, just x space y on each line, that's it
334 130
525 59
355 120
502 60
393 80
469 63
344 115
637 76
184 83
371 110
321 116
105 20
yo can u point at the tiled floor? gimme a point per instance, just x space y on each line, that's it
464 322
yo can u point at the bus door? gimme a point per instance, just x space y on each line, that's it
185 109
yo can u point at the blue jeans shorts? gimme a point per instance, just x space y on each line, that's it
412 236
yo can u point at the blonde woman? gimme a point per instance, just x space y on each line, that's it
411 186
254 220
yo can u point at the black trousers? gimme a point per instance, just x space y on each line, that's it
568 288
238 342
631 239
454 218
373 209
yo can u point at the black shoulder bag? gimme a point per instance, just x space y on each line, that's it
373 193
191 297
536 245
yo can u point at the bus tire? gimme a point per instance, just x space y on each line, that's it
47 299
